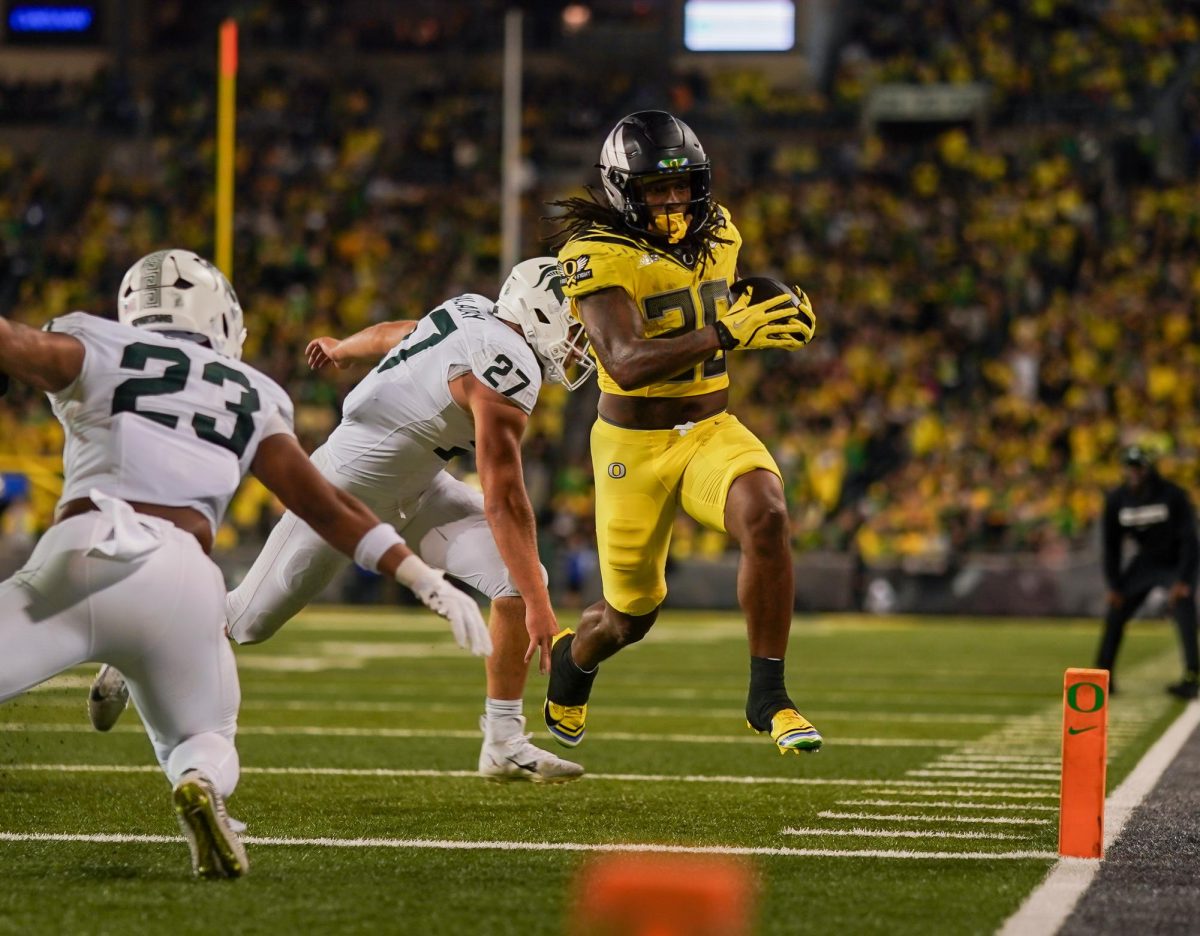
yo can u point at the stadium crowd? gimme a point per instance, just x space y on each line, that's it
996 314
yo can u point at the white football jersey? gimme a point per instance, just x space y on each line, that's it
400 425
161 420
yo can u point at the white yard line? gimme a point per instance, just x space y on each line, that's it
900 833
648 711
322 731
947 804
980 757
957 762
1047 908
470 704
453 845
884 817
1006 792
1032 770
888 786
985 774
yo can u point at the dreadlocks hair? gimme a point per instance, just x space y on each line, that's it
582 214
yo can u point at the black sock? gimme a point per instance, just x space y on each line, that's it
569 685
767 693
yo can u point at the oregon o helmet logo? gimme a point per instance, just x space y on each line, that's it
616 470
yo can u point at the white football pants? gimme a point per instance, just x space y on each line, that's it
447 529
155 611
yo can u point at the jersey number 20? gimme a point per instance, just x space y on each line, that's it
173 380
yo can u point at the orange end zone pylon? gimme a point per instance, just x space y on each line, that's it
663 895
1084 763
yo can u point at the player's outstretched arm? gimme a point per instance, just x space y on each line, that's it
347 524
43 360
616 330
365 347
499 427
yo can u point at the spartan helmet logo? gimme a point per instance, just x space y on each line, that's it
551 279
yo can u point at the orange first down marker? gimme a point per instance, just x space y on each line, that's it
1084 763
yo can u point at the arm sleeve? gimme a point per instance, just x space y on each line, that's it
1112 541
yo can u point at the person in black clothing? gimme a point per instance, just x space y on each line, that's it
1159 517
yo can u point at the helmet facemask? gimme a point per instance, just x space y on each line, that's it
644 148
532 299
639 214
179 293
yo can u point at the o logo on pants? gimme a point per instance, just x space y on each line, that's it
616 470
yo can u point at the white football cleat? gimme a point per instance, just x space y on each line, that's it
217 851
108 697
515 757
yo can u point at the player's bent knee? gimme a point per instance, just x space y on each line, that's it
631 630
766 528
253 628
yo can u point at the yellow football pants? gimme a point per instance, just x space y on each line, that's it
642 475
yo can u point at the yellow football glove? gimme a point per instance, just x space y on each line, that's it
766 314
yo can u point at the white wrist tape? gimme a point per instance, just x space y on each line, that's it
414 574
375 542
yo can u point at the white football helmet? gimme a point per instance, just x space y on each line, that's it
178 291
532 298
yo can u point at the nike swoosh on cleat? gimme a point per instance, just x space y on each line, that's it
531 767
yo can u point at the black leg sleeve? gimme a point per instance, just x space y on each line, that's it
1184 613
1114 628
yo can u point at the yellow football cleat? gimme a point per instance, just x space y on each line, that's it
567 724
792 732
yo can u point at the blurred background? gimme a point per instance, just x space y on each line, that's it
994 206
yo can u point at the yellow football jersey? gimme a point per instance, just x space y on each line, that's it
673 295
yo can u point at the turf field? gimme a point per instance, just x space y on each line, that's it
931 809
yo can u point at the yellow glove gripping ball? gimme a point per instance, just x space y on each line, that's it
766 314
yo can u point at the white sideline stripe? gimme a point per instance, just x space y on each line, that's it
951 804
1047 908
451 845
322 731
905 785
972 755
884 817
900 833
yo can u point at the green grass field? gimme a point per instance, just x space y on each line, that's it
942 738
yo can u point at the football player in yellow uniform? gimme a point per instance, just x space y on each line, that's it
649 272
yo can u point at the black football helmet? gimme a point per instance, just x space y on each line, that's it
651 144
